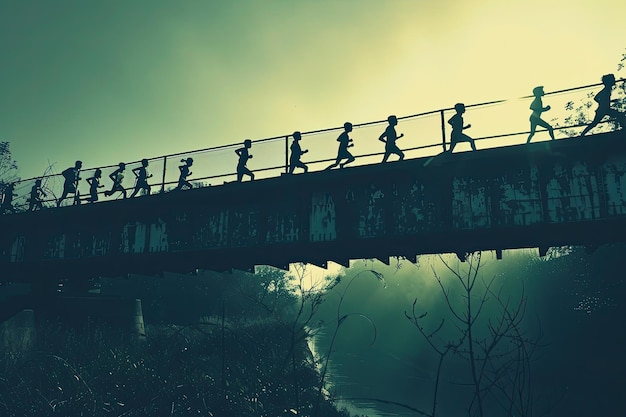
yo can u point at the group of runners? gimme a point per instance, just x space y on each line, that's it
389 137
71 178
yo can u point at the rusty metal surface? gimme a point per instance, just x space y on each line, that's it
566 192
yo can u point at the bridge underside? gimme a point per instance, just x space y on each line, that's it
567 192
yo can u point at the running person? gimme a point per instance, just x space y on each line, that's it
35 202
392 136
141 175
535 118
456 122
117 177
344 143
94 184
244 155
184 173
296 154
7 198
71 176
603 98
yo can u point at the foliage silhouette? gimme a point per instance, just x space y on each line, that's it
496 349
8 166
228 364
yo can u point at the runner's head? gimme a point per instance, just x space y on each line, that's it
608 80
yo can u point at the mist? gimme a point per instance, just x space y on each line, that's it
572 319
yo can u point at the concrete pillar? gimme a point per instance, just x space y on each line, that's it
17 334
138 325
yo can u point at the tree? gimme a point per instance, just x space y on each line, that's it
489 340
7 176
236 361
294 306
8 166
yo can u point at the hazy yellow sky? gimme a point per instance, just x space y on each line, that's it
119 80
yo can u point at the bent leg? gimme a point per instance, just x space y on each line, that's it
597 118
63 196
547 126
400 154
350 159
465 138
533 127
246 171
619 117
471 142
303 166
337 161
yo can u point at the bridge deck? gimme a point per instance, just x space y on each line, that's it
539 195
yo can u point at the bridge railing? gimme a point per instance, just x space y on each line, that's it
494 124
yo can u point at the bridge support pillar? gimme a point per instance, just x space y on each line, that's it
138 325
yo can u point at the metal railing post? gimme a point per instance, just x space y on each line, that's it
443 130
163 177
286 154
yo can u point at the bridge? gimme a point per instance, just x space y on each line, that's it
537 195
563 192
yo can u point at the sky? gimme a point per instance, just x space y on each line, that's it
110 81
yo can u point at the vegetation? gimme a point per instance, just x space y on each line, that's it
238 344
228 364
496 350
8 166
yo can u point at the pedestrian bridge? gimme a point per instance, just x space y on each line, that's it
563 192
